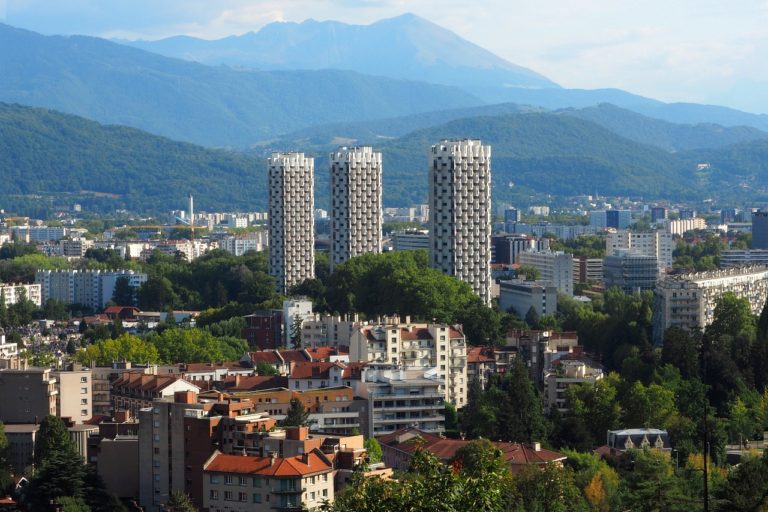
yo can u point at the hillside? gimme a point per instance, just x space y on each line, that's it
53 159
213 106
405 47
662 134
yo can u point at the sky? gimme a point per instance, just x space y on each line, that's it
703 51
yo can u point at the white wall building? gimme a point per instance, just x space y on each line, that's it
460 212
11 293
680 226
291 219
91 288
356 211
555 267
295 310
648 243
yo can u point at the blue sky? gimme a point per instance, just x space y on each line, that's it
680 50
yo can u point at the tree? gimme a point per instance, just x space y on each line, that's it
297 415
651 485
5 467
532 318
528 272
53 437
180 502
296 331
681 349
61 474
56 310
451 417
373 448
746 487
548 489
124 294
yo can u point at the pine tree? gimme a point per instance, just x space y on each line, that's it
297 415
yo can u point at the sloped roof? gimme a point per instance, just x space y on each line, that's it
315 370
480 355
301 465
144 382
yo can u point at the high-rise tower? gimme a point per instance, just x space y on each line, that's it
460 212
356 214
291 219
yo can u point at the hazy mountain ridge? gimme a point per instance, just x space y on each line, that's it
404 47
214 106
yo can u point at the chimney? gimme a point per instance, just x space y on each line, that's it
272 457
305 458
537 446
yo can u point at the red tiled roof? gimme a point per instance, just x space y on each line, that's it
480 355
297 356
254 382
318 370
265 356
321 353
145 382
415 333
202 367
300 465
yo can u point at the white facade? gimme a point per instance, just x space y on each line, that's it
410 240
680 226
293 310
291 219
460 212
91 288
356 212
689 300
555 267
11 293
649 243
239 246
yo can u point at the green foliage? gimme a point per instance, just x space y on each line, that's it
5 466
297 415
651 485
590 246
451 417
180 502
125 347
397 283
53 437
195 346
695 254
373 449
528 272
21 269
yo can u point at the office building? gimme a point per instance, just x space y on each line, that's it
687 214
356 212
618 219
520 296
460 212
658 214
291 219
410 240
743 257
630 271
689 300
597 219
760 229
506 249
555 267
649 243
587 270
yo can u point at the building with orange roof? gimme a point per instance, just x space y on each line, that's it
419 347
244 483
136 390
399 447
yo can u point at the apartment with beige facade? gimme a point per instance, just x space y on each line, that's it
417 346
75 397
27 395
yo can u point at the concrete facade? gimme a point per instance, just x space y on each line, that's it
356 209
519 296
291 219
460 212
27 395
649 243
75 397
554 267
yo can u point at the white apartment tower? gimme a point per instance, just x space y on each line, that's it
291 219
356 213
460 212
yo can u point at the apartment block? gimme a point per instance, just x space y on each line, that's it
295 312
460 212
587 270
75 397
567 372
91 288
291 219
27 395
680 226
437 347
555 267
649 243
356 209
12 293
329 331
689 300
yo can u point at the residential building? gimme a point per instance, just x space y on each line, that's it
254 484
598 219
619 441
537 350
630 271
295 312
680 226
91 288
21 446
399 447
12 293
460 212
689 300
649 243
27 395
566 372
687 214
520 296
587 270
264 329
356 210
136 390
239 246
399 398
36 234
555 267
410 240
291 219
563 231
417 346
75 248
328 331
74 399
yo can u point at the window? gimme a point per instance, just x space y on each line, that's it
83 412
312 496
83 391
325 493
229 480
243 481
214 478
242 496
257 497
227 495
83 380
214 494
256 482
83 401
